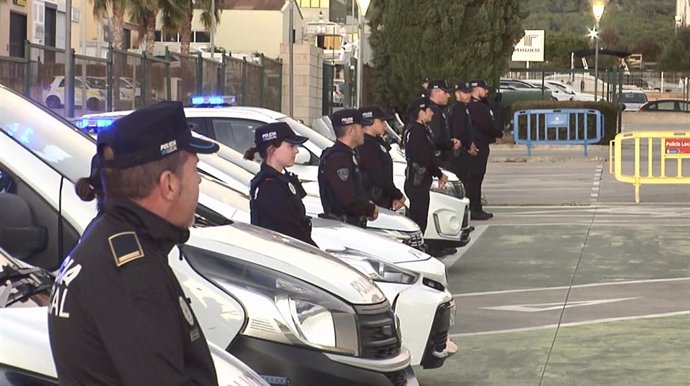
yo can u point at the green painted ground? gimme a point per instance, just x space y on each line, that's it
638 352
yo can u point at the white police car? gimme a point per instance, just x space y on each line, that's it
286 309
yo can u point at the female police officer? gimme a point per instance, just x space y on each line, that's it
275 194
422 165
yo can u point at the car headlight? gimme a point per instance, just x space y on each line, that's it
452 188
280 307
375 268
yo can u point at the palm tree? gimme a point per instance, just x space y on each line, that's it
183 23
101 10
143 13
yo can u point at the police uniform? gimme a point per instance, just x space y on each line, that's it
461 128
422 166
118 315
376 164
441 133
340 182
484 132
276 198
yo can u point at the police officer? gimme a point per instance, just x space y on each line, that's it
118 315
375 161
422 165
340 182
439 95
484 132
276 194
460 126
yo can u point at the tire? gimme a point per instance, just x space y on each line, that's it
93 104
53 102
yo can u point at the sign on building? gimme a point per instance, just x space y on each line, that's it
530 48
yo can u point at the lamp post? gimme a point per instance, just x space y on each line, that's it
363 6
598 10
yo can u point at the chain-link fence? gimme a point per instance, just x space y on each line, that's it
127 80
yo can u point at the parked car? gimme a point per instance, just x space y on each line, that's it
55 96
667 105
632 100
283 307
556 92
576 96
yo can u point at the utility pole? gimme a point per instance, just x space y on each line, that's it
69 84
291 55
213 26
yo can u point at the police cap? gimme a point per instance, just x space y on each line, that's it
463 86
438 84
418 104
149 134
481 83
276 131
347 117
374 112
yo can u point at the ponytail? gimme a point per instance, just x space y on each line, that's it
250 153
84 189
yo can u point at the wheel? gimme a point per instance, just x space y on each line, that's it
93 104
53 102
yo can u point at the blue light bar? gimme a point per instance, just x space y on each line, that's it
213 101
94 123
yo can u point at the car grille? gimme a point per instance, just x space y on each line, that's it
438 337
416 240
459 189
398 378
378 332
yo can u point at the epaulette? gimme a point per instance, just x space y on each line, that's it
125 247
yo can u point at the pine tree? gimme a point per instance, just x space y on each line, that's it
439 39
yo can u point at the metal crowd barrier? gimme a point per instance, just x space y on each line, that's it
558 127
657 158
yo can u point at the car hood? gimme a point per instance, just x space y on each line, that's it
290 256
24 340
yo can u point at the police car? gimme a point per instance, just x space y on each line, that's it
234 126
26 358
286 309
413 281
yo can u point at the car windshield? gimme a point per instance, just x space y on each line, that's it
301 129
22 284
96 83
634 97
221 192
53 140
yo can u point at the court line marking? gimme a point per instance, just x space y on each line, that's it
647 281
478 231
571 324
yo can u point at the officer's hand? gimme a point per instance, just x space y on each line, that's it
456 143
442 181
397 204
473 149
375 215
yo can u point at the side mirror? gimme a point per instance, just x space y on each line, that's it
303 156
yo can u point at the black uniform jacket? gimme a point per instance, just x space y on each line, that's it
340 183
419 149
440 131
276 204
118 315
484 129
376 165
460 124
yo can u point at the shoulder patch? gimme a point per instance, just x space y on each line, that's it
125 247
343 174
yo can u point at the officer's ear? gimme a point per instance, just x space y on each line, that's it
169 185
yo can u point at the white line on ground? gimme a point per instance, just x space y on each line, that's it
450 260
575 286
572 324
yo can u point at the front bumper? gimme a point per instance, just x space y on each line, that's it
279 363
446 220
437 350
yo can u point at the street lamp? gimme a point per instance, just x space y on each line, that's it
598 10
363 6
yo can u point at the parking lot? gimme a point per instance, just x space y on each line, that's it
571 283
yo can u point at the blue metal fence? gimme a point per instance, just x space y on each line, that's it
558 127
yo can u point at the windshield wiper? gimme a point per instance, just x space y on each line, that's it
26 290
10 273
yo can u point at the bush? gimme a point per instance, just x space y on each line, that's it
608 110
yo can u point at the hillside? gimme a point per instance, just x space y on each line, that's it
638 26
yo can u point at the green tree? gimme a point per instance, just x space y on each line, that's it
439 39
676 54
183 22
103 8
559 45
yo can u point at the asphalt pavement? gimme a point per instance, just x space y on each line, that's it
571 283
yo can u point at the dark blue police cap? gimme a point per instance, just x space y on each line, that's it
374 112
481 83
463 86
346 117
276 131
149 134
438 84
417 104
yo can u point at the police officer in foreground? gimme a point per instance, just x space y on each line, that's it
422 165
375 161
484 132
118 315
461 128
340 182
275 195
439 95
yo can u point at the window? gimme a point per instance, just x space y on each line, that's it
235 133
314 3
666 106
170 37
202 37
